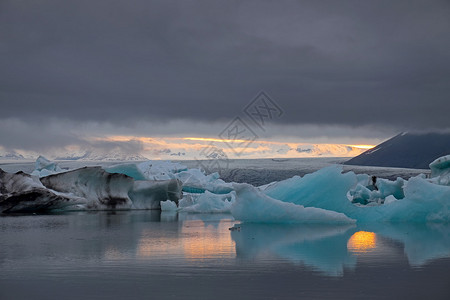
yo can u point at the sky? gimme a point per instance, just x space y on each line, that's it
139 76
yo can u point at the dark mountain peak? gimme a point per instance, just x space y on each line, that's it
406 150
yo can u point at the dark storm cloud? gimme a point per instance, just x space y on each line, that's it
17 134
324 62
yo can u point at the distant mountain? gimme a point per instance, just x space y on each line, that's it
406 150
12 156
99 156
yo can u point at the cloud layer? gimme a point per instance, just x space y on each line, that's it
325 63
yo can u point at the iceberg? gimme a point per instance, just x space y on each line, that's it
193 180
362 193
148 170
44 167
418 199
168 206
440 170
327 196
88 188
147 194
20 192
104 190
253 206
101 189
207 203
130 170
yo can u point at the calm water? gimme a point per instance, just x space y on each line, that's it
154 255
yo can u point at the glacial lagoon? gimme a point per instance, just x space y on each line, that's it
169 255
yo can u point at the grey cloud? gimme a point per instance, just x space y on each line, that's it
129 147
17 134
57 135
347 63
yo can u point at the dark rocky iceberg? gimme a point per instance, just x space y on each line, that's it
88 188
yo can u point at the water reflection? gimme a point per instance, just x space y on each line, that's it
362 242
193 240
322 247
153 238
331 250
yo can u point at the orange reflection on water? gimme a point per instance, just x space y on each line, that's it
208 241
196 240
362 242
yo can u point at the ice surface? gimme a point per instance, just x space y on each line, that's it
101 189
44 167
148 170
362 194
168 206
131 170
328 188
194 180
327 195
440 170
160 170
104 190
208 203
20 192
147 194
253 206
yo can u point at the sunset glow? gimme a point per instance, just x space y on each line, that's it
363 146
192 147
215 140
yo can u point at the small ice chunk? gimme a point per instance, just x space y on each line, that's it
168 206
44 167
209 203
440 170
390 199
